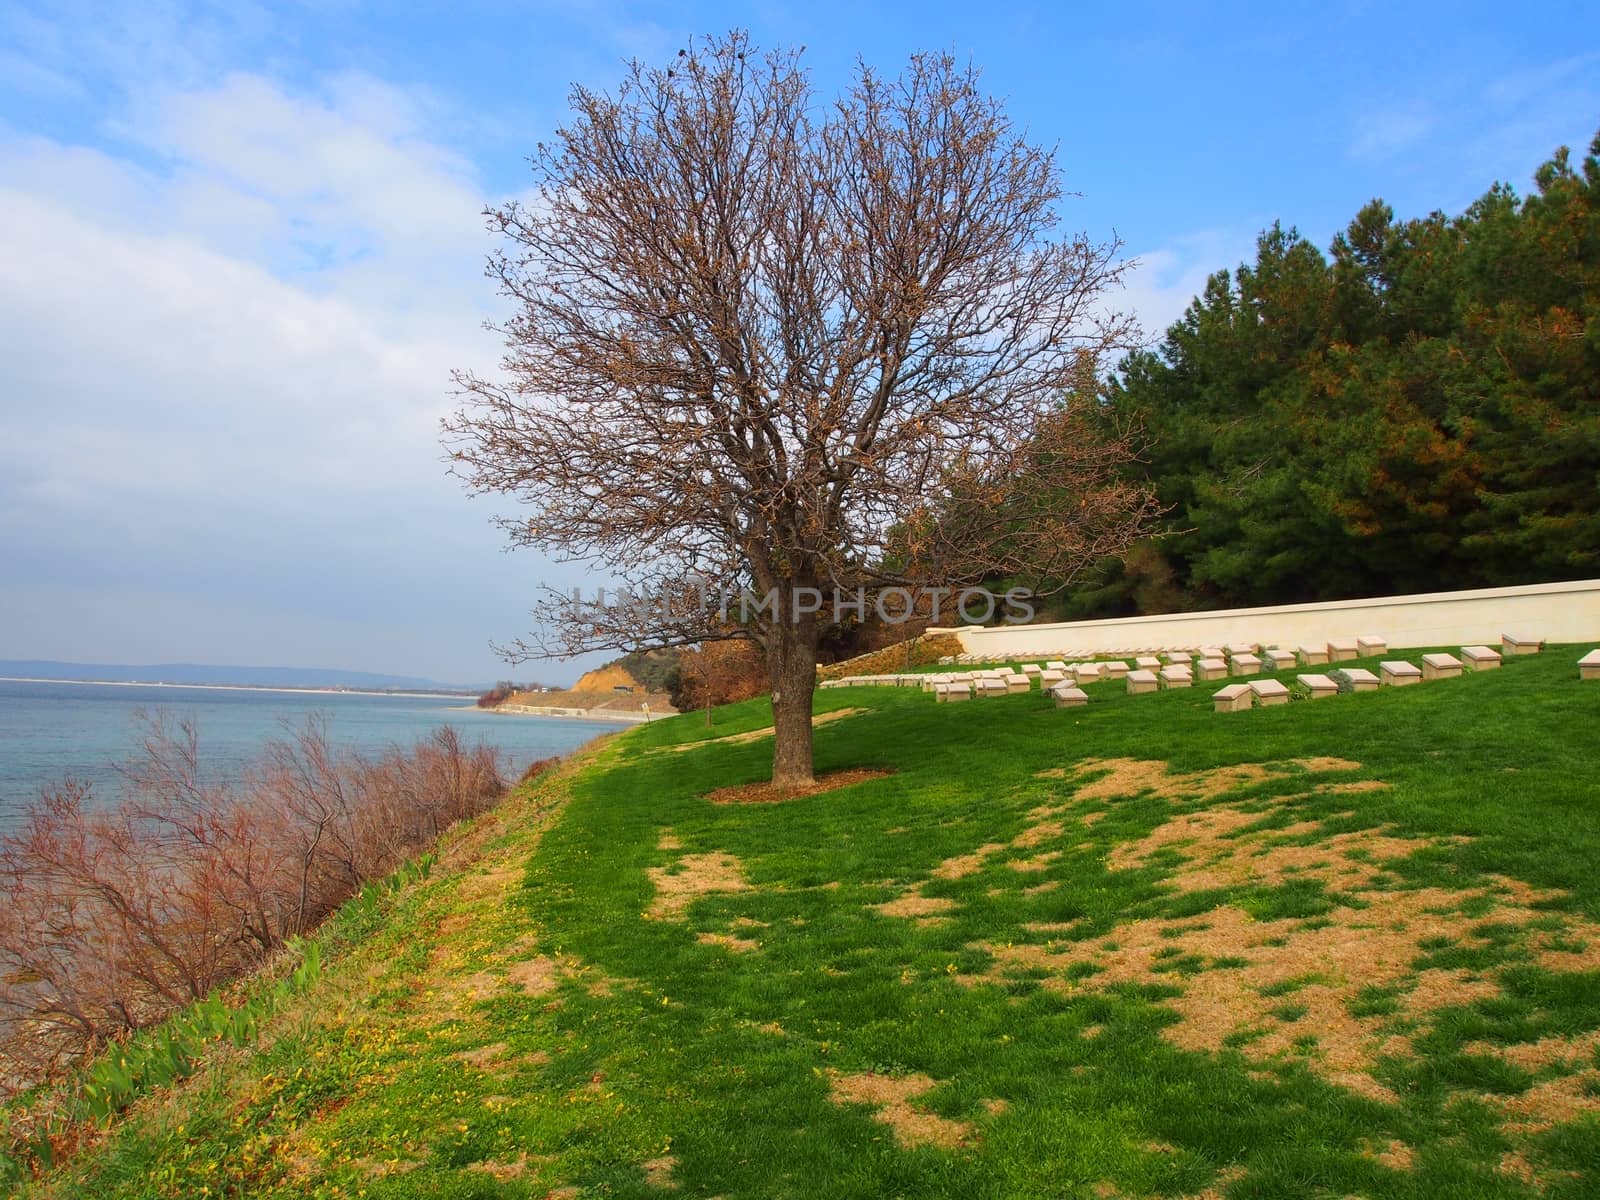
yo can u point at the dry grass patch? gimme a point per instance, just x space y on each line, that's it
1313 970
692 876
538 975
658 1172
484 1057
488 885
1118 778
1289 987
502 1171
766 793
1226 1178
915 905
1037 834
961 865
383 1168
535 976
1035 864
1221 851
729 941
466 990
890 1096
1515 1166
1553 1102
1121 778
1567 1054
1396 1155
1352 787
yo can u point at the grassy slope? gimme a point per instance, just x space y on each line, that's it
624 1057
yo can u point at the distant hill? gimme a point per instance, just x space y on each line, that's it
607 678
308 677
612 687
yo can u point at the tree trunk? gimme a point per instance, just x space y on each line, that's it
792 671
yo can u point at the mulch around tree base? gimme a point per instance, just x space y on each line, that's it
765 793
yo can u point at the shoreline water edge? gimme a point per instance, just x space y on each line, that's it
609 716
235 687
54 730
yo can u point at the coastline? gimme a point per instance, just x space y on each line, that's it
233 687
599 715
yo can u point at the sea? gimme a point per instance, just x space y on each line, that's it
49 730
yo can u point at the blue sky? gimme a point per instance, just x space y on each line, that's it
240 253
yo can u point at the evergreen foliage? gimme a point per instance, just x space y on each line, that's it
1417 410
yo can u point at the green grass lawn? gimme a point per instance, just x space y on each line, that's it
1342 947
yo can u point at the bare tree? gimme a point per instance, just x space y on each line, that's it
763 344
719 672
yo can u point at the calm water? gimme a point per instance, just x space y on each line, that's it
51 730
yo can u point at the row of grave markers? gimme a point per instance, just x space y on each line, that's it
1171 669
1178 669
1397 673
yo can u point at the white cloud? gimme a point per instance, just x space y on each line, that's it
618 26
1458 134
1164 280
1387 132
160 344
1528 114
22 74
225 357
227 319
119 45
1536 84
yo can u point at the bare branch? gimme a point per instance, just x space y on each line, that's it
755 340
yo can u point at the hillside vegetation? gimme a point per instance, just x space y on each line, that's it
1413 410
1340 947
597 689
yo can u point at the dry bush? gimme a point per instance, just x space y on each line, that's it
719 673
538 767
498 694
112 916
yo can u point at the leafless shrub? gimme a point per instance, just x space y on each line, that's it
719 673
112 916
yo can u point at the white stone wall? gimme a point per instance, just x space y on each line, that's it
1552 612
